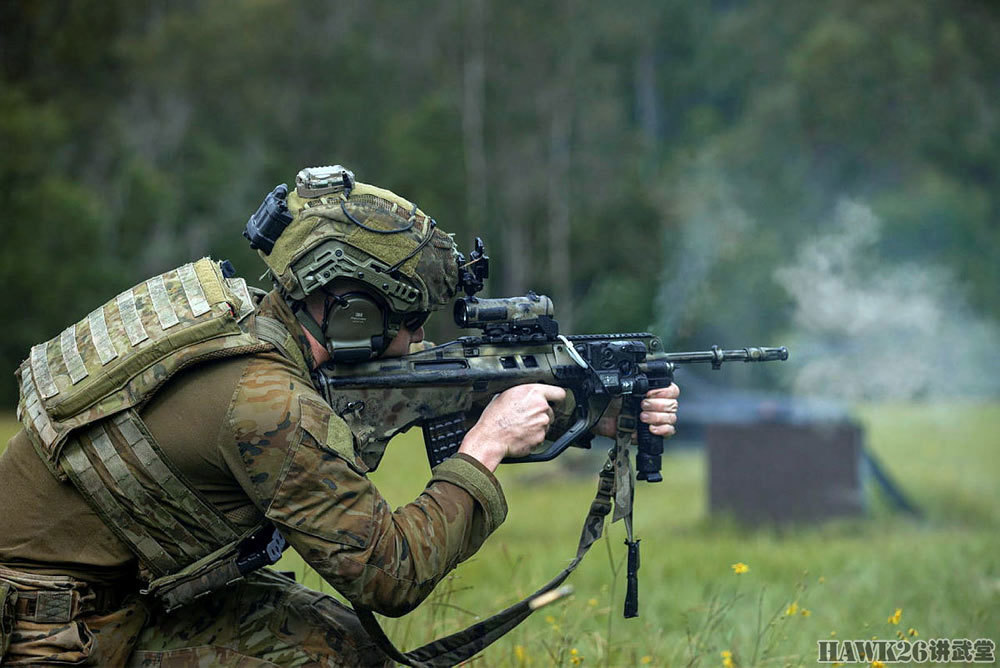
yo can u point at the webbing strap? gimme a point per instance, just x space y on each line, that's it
129 486
86 479
178 493
272 331
458 647
142 497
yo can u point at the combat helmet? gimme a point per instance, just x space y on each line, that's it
391 263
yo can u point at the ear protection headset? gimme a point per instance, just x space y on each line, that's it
356 327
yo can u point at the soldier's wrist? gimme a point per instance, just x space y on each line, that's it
487 451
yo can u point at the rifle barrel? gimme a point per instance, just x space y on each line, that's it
717 356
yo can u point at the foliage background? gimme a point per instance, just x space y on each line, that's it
821 175
648 164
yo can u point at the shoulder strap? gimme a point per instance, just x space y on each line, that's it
272 331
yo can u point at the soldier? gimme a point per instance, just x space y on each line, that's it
170 432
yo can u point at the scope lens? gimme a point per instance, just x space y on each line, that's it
461 313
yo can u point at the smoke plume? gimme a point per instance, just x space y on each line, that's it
867 330
714 224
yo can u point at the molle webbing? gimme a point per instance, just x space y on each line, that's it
123 351
120 470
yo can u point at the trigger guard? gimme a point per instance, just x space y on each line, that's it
579 428
558 446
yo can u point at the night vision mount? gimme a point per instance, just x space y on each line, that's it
472 273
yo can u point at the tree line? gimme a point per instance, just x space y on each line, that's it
646 163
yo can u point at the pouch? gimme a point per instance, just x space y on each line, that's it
38 620
8 598
49 644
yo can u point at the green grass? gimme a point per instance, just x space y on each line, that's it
943 571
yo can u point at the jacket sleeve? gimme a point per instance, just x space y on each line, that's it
296 460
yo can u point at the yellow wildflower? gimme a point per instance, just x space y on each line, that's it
899 634
726 654
739 568
792 608
806 612
592 602
912 632
549 619
894 617
878 664
833 634
519 653
821 579
646 660
574 652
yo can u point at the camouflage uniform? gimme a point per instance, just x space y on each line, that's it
255 441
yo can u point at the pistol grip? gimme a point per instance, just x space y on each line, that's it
443 436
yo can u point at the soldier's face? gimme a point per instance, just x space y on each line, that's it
401 344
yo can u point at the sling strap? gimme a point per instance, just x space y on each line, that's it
614 482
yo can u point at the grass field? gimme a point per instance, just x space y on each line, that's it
842 579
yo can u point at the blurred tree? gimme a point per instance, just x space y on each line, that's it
645 163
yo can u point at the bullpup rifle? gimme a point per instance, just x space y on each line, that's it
441 387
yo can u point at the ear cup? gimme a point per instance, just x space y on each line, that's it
355 328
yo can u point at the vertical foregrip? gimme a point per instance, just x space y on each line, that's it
443 436
648 458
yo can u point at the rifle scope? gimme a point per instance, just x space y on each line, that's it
473 312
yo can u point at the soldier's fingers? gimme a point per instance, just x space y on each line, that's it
552 392
669 392
662 429
658 418
660 405
550 415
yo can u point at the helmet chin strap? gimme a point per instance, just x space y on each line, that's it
307 320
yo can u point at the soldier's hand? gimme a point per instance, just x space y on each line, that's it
659 411
514 422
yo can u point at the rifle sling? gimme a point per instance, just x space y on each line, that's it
458 647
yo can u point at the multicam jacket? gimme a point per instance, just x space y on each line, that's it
250 434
